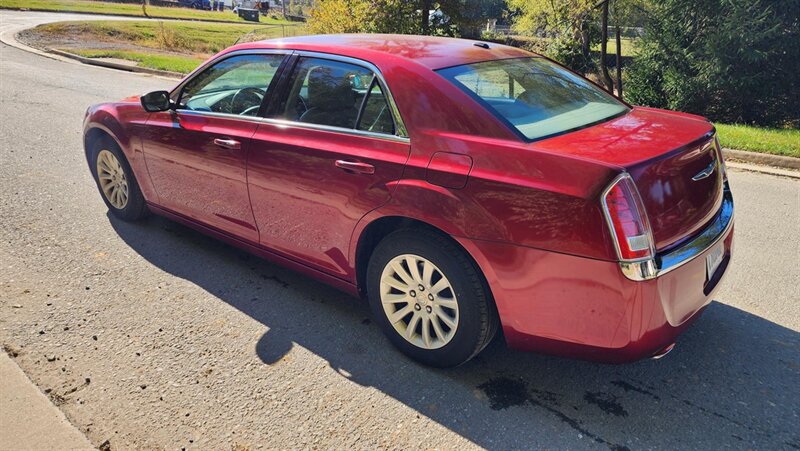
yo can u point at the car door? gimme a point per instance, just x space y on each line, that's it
326 156
196 154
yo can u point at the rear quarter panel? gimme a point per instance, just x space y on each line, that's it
514 193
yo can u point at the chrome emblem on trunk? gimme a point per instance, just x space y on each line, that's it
706 172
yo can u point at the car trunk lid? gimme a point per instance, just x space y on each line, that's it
670 156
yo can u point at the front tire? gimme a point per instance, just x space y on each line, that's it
429 298
116 182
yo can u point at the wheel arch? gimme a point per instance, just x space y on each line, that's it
377 228
102 124
94 134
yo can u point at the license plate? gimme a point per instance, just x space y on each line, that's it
713 260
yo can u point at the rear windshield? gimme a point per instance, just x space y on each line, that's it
535 96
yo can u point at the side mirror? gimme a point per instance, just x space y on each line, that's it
156 101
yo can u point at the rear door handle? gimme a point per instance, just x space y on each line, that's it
228 143
355 166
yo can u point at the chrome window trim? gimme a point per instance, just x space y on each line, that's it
399 125
708 238
329 128
256 119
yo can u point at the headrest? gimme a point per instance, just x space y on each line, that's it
329 89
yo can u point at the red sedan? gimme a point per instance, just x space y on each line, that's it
460 187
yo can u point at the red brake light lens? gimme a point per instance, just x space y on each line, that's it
627 220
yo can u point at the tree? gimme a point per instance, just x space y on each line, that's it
604 46
364 16
624 11
461 17
469 17
295 9
567 25
338 16
426 16
730 60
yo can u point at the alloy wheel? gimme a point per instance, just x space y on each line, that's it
419 301
112 179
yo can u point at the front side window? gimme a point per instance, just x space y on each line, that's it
535 96
235 85
326 92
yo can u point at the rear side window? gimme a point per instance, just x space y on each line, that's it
376 116
535 96
336 94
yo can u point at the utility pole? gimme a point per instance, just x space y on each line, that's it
604 48
426 17
619 64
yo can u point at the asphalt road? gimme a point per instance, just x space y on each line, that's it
150 335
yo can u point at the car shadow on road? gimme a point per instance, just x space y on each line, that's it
733 380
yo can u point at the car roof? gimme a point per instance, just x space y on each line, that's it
430 51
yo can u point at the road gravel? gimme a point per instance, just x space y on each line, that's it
153 336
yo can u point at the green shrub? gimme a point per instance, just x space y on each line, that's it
731 60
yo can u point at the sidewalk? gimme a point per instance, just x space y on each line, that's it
28 420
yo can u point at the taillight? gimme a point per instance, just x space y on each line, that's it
627 220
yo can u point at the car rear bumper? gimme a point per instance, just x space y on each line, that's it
592 309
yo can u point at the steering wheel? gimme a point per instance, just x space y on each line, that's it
300 106
246 100
252 111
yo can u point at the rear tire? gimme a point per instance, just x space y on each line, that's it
429 298
115 181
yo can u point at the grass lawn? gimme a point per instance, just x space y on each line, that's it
628 46
128 9
172 63
784 142
199 39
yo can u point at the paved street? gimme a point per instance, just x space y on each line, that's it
151 335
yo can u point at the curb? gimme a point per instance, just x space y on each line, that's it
9 38
776 161
761 169
28 419
110 65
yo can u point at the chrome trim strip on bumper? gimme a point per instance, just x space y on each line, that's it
662 264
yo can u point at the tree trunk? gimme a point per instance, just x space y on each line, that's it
586 48
604 48
426 25
619 64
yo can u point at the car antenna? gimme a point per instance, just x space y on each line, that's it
482 45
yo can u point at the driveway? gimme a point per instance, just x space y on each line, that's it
151 335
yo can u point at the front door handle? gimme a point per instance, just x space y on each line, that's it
228 143
355 166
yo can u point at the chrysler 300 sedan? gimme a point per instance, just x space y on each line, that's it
463 189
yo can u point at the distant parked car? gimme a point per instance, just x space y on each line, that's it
196 4
456 185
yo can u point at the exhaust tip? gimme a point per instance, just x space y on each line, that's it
664 351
